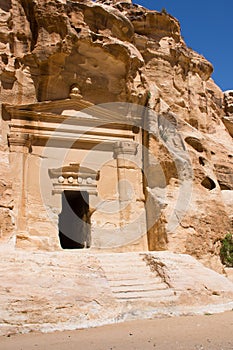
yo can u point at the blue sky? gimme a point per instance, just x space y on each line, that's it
207 27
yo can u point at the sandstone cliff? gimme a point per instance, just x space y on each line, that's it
121 52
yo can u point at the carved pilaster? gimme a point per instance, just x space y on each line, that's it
19 144
124 152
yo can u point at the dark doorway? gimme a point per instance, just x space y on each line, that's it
74 223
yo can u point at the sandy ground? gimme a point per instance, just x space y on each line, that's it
212 332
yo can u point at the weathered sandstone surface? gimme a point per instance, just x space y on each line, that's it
167 167
120 52
64 291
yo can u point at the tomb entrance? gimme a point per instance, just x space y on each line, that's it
74 223
79 175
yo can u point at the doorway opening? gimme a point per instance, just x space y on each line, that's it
74 220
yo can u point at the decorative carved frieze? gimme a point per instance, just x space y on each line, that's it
74 177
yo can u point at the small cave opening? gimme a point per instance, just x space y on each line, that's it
74 220
208 183
5 5
202 161
4 58
223 187
194 143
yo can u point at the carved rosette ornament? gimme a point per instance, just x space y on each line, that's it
75 178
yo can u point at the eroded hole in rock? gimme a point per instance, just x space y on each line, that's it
4 58
7 80
5 5
74 225
78 30
96 37
194 123
202 161
195 143
208 183
223 186
17 63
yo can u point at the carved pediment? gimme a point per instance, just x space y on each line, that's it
47 108
76 108
75 119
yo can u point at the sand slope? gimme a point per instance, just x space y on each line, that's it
207 332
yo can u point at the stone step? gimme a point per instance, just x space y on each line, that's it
41 291
131 280
120 256
163 300
135 282
131 277
121 259
139 288
136 260
124 268
153 295
127 268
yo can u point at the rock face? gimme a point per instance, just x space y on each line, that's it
64 291
228 109
57 53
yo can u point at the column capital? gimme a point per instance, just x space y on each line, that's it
125 147
18 140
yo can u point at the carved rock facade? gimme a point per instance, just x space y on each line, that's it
159 175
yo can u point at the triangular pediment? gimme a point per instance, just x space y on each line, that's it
56 108
75 108
74 119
